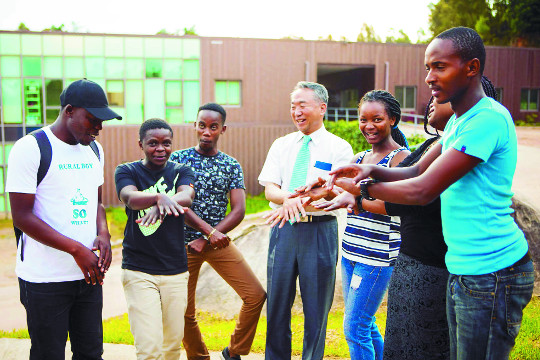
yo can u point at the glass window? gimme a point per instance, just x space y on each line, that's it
174 116
114 46
95 67
134 68
154 98
74 67
173 93
53 67
529 100
228 92
191 48
12 101
406 95
153 47
191 100
33 106
172 69
134 47
51 115
172 48
134 102
114 68
10 44
53 89
153 68
52 45
10 66
191 69
73 45
31 44
115 92
31 66
93 46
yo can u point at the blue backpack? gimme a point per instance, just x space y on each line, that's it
45 149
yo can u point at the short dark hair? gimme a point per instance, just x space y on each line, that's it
214 107
467 43
151 124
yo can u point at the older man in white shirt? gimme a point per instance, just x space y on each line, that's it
306 247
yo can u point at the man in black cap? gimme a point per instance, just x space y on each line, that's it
54 182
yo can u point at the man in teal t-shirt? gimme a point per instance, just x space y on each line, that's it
491 273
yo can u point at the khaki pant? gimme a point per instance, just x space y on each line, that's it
156 308
233 268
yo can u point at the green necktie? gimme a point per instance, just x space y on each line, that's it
301 165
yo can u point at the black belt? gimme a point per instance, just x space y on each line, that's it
525 259
313 218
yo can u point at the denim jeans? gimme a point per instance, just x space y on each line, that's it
54 309
485 311
363 290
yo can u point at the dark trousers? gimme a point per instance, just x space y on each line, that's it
309 252
54 309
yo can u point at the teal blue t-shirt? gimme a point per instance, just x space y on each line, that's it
481 235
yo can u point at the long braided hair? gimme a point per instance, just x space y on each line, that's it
393 109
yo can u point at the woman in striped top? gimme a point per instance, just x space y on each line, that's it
371 241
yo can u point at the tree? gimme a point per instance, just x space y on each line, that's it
402 38
190 31
367 34
55 28
23 27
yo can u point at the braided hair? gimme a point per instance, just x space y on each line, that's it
392 108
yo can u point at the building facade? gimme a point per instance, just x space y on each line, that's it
170 76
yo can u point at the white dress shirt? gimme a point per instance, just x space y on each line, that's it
327 152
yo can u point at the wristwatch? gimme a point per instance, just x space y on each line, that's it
359 204
364 188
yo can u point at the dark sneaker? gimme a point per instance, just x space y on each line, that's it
226 356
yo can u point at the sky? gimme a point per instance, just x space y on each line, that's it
217 18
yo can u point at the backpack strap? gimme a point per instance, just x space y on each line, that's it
95 148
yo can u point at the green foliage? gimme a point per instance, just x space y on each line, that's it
530 120
367 34
55 28
190 31
256 203
23 27
348 131
401 38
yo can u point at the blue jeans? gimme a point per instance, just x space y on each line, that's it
485 311
363 290
54 309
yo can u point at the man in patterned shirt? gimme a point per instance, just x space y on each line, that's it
218 174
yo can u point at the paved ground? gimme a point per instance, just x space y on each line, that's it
253 242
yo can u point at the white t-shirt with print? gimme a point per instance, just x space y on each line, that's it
66 199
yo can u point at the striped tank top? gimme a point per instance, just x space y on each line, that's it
372 239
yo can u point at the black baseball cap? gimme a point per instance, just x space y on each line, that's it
90 96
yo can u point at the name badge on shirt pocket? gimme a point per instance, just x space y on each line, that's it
323 165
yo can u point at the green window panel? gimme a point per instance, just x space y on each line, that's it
172 69
172 48
191 100
93 46
10 44
53 89
191 69
153 47
410 97
52 45
120 111
191 48
154 98
220 91
51 115
95 67
233 93
173 93
174 116
31 66
114 68
399 94
2 202
31 45
134 102
114 46
73 45
12 101
153 68
33 104
74 67
115 92
134 47
100 82
7 150
10 66
533 99
523 104
135 68
53 67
